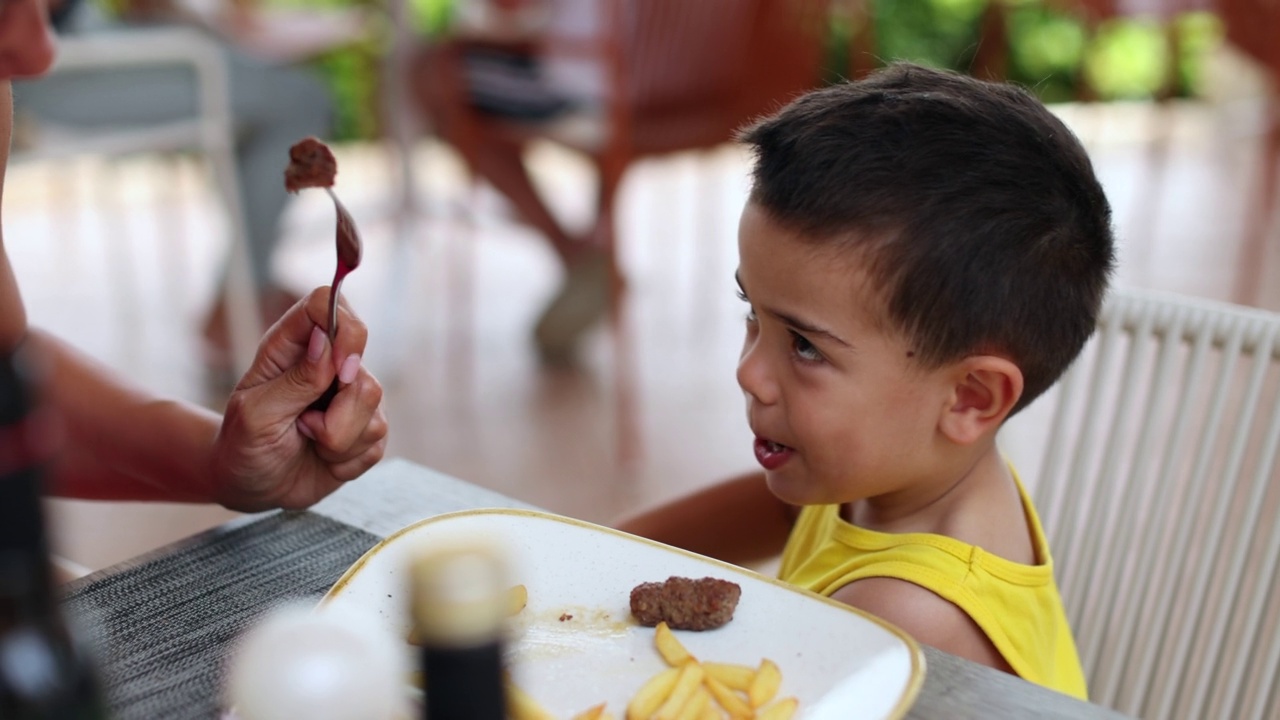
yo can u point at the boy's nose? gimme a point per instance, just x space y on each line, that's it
26 40
754 376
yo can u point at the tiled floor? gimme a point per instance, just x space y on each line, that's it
122 257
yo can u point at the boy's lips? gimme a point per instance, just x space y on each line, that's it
771 455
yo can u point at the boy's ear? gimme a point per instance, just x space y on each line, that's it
986 388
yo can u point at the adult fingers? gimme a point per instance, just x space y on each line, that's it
352 468
288 341
353 422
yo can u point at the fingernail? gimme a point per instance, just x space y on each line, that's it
302 428
315 348
350 367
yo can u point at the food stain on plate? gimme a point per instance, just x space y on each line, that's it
566 630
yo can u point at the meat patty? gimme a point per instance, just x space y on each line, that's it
686 604
311 165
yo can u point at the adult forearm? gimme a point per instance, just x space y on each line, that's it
738 521
121 443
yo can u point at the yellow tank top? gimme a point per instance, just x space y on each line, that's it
1016 605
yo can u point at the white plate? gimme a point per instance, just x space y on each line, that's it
838 662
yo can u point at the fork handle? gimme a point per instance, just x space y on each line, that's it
322 403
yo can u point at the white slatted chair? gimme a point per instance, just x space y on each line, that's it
1160 494
210 131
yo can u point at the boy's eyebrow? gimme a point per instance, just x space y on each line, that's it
797 323
807 328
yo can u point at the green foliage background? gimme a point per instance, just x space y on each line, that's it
1050 50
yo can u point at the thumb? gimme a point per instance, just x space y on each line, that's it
304 381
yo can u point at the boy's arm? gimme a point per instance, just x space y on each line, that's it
738 521
925 616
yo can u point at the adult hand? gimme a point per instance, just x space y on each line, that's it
272 452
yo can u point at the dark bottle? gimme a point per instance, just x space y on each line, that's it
43 674
459 605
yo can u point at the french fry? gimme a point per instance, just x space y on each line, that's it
517 598
737 708
592 713
686 690
765 684
670 648
781 710
522 706
687 683
652 694
735 677
692 710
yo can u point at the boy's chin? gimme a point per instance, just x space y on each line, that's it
794 488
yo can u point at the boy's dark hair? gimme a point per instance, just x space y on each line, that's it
982 223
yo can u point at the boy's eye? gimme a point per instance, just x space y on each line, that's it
751 312
804 349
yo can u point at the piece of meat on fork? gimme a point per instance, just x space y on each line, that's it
311 165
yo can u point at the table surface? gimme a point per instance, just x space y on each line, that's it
164 617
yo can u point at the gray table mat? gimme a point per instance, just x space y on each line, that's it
160 631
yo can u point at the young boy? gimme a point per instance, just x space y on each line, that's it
923 255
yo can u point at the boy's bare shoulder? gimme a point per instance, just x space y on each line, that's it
917 610
924 615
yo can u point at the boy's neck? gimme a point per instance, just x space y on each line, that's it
931 506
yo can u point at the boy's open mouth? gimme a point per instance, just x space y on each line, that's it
771 455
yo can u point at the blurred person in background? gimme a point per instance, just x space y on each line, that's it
273 104
500 65
119 442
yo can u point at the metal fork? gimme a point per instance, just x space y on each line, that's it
350 249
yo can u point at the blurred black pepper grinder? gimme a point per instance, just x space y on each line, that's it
459 605
43 674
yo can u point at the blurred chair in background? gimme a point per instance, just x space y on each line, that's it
617 81
1253 26
1159 497
152 82
207 130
